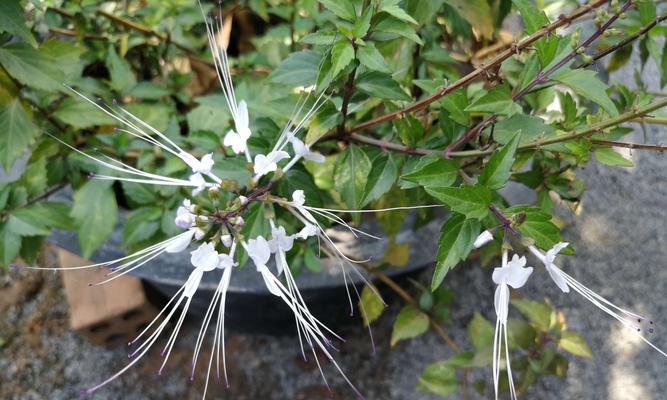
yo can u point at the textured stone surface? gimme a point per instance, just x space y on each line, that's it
619 236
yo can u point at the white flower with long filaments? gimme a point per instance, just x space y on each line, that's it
509 274
638 324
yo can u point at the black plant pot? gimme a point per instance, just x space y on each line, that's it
250 307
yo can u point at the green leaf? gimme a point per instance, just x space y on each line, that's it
381 177
456 238
67 56
539 314
378 84
95 213
393 9
477 13
31 67
647 11
141 224
371 305
533 18
472 201
17 133
575 344
10 244
148 90
350 174
538 226
609 156
80 114
52 214
521 333
363 23
498 169
23 222
139 193
409 129
12 21
370 57
433 171
587 84
663 66
342 54
320 38
298 69
480 332
438 379
122 77
410 323
341 8
498 100
390 24
530 127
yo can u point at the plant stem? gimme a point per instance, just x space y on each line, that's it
482 69
635 146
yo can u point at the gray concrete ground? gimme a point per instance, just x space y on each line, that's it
619 236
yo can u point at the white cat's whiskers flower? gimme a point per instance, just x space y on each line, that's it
636 323
509 274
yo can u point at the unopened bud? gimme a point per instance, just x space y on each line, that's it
483 238
226 240
243 200
199 233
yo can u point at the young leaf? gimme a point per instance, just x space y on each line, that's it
370 305
533 19
438 379
410 323
342 54
471 201
378 84
363 23
17 133
497 170
298 69
587 84
350 174
12 21
95 213
609 156
456 238
31 67
433 172
498 100
381 178
575 344
370 57
342 8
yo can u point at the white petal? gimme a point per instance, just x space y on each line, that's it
315 157
184 218
242 115
235 141
199 233
516 274
300 148
193 281
483 238
558 278
501 300
307 231
206 163
268 281
553 252
259 251
181 243
225 261
298 198
205 257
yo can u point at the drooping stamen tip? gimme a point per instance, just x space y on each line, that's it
13 267
114 101
227 385
84 392
650 330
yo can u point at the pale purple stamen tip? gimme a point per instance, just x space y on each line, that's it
13 267
84 392
114 101
227 385
90 284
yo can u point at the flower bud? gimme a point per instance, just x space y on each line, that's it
226 240
483 238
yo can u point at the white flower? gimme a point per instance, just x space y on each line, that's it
237 139
303 150
202 166
298 198
280 240
515 275
187 204
259 251
180 243
226 240
243 200
548 260
184 218
205 257
307 231
268 163
197 180
225 261
199 233
483 238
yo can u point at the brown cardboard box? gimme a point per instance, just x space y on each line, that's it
109 314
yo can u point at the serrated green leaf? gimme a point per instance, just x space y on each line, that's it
381 177
67 56
409 129
140 225
647 11
363 23
533 19
390 24
31 67
378 84
470 200
575 344
477 13
586 83
456 238
147 90
537 225
433 172
498 100
81 115
480 332
17 133
342 54
122 77
438 379
370 57
52 214
609 156
23 222
139 193
396 11
370 305
350 174
410 322
95 213
12 21
539 314
298 69
341 8
318 38
10 244
498 170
